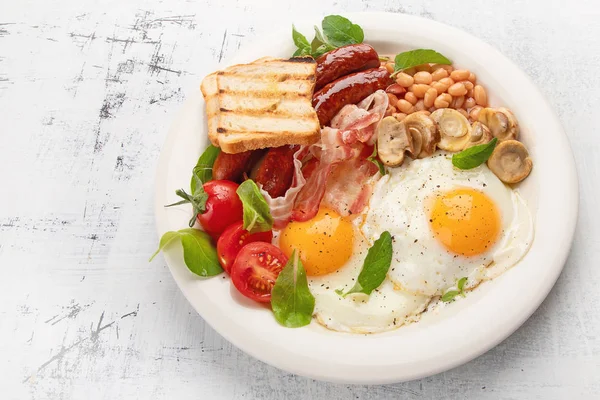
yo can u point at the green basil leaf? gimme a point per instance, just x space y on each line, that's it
257 215
322 49
474 156
291 300
318 40
450 295
373 158
199 254
166 239
412 58
376 265
341 32
299 39
461 284
202 172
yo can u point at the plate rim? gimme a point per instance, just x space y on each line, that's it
305 368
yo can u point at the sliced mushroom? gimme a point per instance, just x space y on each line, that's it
454 129
393 139
480 134
510 161
501 122
424 134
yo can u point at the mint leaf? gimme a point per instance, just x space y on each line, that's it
474 156
202 172
376 265
341 32
198 252
257 215
412 58
291 300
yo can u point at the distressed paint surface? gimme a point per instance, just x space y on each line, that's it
87 93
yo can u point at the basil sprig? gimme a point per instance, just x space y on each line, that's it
413 58
257 214
291 300
337 32
198 252
202 172
474 156
451 294
376 265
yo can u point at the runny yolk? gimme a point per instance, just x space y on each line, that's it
465 221
324 243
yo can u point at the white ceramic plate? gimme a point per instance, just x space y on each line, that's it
438 342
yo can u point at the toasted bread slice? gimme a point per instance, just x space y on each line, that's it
267 103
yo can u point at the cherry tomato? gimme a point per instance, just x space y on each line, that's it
255 270
233 239
223 207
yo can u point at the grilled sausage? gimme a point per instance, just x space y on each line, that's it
343 61
233 166
275 171
349 89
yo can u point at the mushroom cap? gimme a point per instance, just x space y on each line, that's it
510 161
480 134
424 134
393 139
454 129
501 122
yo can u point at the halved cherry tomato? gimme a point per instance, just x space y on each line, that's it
233 239
223 207
255 270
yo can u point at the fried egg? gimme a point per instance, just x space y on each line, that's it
333 250
447 224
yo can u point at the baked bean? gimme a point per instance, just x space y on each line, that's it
404 80
463 112
390 67
472 78
443 101
448 68
460 74
420 106
480 95
419 89
391 110
447 82
423 77
430 96
411 98
439 87
468 84
439 74
425 112
410 71
469 93
469 103
392 97
399 116
458 102
423 67
405 107
474 113
458 89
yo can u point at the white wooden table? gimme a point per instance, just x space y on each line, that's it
87 93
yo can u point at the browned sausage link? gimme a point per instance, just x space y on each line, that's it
231 166
343 61
275 171
348 90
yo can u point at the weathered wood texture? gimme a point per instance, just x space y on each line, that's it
87 93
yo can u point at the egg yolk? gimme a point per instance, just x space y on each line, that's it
465 221
324 243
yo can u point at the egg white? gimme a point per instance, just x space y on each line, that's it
420 264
